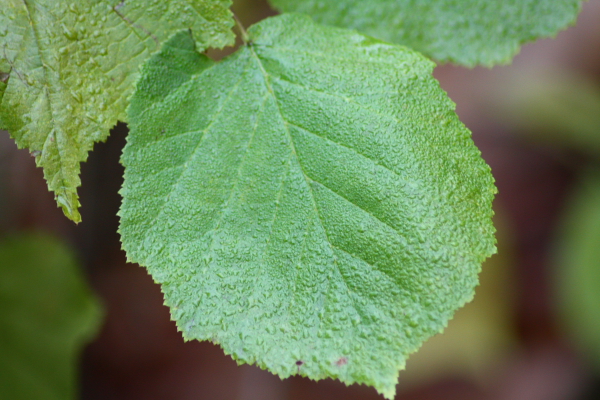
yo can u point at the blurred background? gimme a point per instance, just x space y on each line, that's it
532 332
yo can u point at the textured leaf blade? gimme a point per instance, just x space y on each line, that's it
72 66
467 32
310 225
47 313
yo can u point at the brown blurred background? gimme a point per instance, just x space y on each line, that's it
537 123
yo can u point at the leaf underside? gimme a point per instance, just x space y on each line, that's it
47 313
72 67
311 203
466 32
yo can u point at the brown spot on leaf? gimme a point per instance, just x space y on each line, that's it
342 361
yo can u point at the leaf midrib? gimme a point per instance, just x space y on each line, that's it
267 78
72 210
290 139
306 179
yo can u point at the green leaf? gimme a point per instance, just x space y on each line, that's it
467 32
481 335
577 276
3 78
312 203
72 68
560 108
47 313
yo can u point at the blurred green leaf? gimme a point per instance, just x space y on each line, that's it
557 107
578 272
47 313
466 32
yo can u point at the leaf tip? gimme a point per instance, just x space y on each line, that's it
69 203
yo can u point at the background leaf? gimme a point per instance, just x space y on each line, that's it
47 313
72 67
467 32
560 108
312 203
577 275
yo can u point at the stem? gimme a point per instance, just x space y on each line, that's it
243 32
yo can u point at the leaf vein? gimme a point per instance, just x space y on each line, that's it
316 209
238 173
356 205
60 172
173 95
374 161
152 221
277 201
323 56
347 99
357 257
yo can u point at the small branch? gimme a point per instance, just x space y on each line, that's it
240 27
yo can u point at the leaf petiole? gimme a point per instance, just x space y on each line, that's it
241 28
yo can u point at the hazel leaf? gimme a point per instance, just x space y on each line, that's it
72 66
465 32
311 203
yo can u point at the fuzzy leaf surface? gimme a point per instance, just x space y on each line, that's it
68 69
47 314
466 32
312 203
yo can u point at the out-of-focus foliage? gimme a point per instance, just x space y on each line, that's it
578 271
47 313
558 107
561 108
467 32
